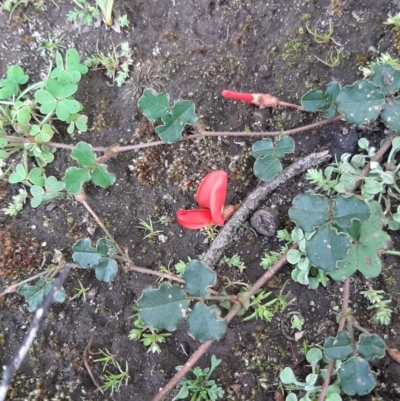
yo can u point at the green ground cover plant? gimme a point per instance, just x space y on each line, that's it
336 234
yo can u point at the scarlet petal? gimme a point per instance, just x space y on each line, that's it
217 200
206 187
194 219
245 97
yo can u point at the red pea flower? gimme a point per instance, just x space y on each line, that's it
210 195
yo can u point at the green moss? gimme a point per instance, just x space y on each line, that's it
293 50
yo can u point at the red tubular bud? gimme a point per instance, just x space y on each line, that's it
245 97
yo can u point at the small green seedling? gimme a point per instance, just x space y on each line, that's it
148 228
80 292
233 261
393 20
382 314
107 358
297 322
150 338
85 12
123 21
114 381
209 233
201 388
322 38
115 62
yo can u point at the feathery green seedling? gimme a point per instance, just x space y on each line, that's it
80 292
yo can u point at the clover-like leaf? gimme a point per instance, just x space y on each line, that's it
66 107
326 247
34 294
199 278
36 176
171 130
309 211
346 210
84 155
75 178
60 91
356 376
101 177
163 308
37 195
106 269
10 85
262 148
20 174
153 106
364 255
361 102
338 347
106 247
205 323
184 112
84 254
266 168
47 100
24 115
284 145
72 62
332 92
371 346
314 100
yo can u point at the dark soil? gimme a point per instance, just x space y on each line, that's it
196 49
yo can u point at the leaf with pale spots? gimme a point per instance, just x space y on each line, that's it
361 102
163 308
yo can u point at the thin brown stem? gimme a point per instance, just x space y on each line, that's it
202 134
82 199
292 105
87 366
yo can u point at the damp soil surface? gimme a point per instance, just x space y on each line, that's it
192 50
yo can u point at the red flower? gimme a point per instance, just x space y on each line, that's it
210 195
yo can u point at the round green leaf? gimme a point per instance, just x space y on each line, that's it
356 377
326 247
313 100
284 145
345 210
163 308
153 106
72 62
287 376
84 254
106 269
361 102
101 177
36 176
84 155
184 111
309 211
47 100
338 347
75 178
198 278
371 346
16 74
24 115
171 130
266 168
262 148
20 174
205 324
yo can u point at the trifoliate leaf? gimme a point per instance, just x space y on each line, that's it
101 177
